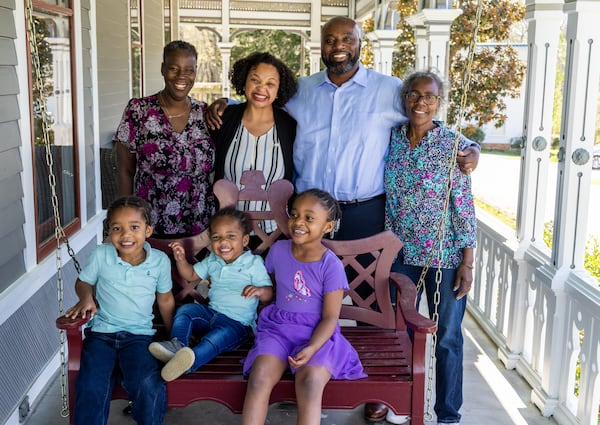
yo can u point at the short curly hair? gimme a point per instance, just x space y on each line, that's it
179 45
287 81
421 75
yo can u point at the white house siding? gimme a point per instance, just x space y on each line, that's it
12 238
28 287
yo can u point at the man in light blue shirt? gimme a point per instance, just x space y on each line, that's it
345 115
343 132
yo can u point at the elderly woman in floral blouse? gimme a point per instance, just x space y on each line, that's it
417 179
164 152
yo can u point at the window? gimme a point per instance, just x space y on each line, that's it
135 29
52 91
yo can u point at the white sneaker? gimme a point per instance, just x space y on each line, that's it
395 419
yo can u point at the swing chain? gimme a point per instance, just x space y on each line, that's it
466 82
59 233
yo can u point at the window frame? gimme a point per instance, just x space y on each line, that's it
46 247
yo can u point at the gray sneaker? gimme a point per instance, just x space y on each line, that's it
165 350
178 365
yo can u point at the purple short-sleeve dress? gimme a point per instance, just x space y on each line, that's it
286 326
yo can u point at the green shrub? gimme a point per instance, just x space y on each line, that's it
473 133
516 142
591 257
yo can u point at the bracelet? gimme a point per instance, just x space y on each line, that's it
467 266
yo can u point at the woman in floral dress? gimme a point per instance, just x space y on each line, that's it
417 180
164 152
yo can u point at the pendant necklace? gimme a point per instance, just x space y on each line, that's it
163 104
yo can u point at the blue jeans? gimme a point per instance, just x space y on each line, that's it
123 357
449 347
219 333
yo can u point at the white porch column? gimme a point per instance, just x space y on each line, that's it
437 24
580 96
314 45
383 49
225 48
544 19
314 54
174 15
582 72
421 47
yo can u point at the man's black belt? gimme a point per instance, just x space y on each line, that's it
361 200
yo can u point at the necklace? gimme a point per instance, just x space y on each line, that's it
169 116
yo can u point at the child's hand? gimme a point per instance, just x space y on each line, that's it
178 251
84 308
253 291
301 358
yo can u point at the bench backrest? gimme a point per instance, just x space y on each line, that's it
277 195
227 193
368 263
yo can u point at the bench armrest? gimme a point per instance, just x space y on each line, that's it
73 329
406 305
67 323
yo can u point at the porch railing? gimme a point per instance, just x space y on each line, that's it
546 323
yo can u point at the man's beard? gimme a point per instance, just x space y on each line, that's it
339 68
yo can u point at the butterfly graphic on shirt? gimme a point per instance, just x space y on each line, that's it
301 290
300 284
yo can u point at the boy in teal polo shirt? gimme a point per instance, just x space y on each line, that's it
238 281
117 290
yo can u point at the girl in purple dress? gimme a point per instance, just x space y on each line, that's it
300 330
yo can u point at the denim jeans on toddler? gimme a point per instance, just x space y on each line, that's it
122 357
219 333
449 347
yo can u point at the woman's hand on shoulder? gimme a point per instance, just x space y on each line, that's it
468 159
215 112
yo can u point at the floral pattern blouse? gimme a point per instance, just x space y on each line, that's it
416 182
173 169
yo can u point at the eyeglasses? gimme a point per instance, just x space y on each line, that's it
429 99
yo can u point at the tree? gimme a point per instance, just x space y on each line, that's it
285 46
497 71
404 57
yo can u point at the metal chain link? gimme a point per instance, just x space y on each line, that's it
466 82
59 233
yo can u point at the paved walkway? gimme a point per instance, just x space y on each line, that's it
492 396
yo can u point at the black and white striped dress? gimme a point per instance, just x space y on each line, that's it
250 152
